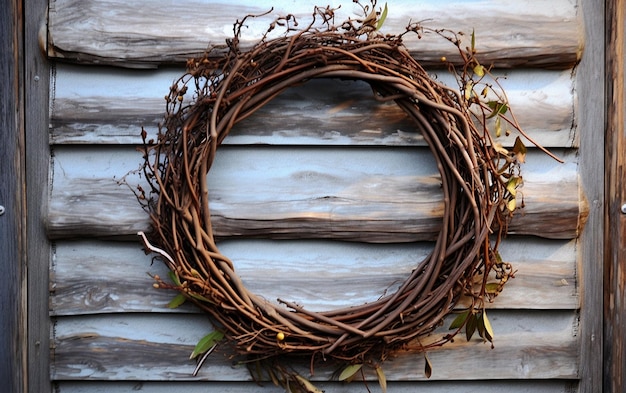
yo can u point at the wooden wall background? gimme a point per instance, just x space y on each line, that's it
323 197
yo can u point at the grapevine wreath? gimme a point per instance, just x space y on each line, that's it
479 179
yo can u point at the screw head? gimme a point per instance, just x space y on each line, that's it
1 210
623 209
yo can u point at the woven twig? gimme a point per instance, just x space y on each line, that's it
228 89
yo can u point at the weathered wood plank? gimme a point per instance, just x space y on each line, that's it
114 108
510 33
363 194
90 277
157 347
493 386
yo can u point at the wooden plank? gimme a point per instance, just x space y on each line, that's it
13 322
37 93
129 34
515 386
112 109
615 199
528 345
90 277
592 123
364 194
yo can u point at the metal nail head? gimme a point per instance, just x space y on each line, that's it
623 208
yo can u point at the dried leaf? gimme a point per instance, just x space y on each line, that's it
382 380
459 320
310 388
349 371
500 149
512 184
520 150
469 89
206 343
428 367
177 301
473 47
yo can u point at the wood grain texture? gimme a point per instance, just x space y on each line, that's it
615 198
91 277
113 108
479 386
363 194
156 348
37 94
132 35
13 306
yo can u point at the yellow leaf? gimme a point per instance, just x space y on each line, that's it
382 380
512 184
520 150
500 149
498 127
469 88
512 204
488 328
479 70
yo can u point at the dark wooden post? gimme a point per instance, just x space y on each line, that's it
12 185
615 189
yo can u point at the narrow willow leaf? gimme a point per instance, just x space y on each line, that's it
459 320
382 18
480 326
177 301
488 328
174 278
428 367
201 298
470 326
310 388
349 371
520 150
498 127
382 380
206 343
473 47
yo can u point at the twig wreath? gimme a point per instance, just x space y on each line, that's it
479 179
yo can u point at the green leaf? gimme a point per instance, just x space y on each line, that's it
459 320
177 301
382 18
310 388
349 371
470 326
174 278
201 298
497 108
428 367
206 343
382 380
492 288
